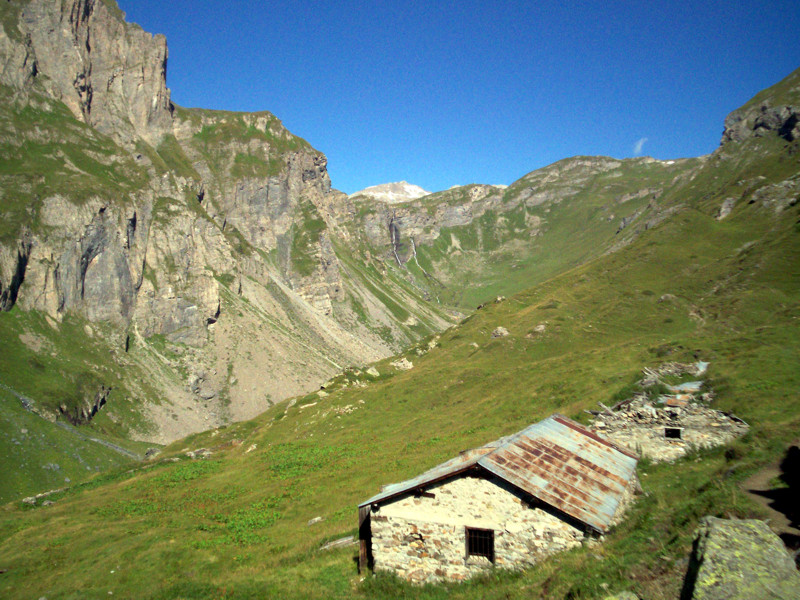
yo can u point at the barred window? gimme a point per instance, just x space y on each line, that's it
480 542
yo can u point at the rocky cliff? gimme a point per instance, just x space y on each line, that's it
774 110
201 262
175 227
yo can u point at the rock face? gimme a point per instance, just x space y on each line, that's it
174 227
740 560
785 120
111 75
772 111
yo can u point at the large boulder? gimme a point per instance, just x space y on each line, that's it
740 559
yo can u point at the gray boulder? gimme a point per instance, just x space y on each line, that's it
740 559
726 208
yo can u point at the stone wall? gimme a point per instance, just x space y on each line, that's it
424 539
640 426
628 497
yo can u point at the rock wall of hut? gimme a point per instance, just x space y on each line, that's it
628 497
424 539
641 426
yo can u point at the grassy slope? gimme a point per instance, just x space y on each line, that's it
56 364
44 148
497 253
60 364
234 525
39 455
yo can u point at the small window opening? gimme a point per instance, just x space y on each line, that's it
673 433
480 542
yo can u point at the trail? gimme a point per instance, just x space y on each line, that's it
780 503
30 405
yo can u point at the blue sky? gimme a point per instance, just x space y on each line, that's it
449 93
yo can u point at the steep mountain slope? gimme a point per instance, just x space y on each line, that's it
204 256
196 240
715 278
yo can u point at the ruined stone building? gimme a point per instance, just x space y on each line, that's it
666 426
667 429
507 504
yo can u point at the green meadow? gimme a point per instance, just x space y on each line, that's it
235 524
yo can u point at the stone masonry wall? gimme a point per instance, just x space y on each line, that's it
640 426
424 539
628 497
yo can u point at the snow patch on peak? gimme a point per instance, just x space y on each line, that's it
392 193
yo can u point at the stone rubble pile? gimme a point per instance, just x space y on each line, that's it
668 427
653 376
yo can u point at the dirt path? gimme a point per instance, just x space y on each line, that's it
781 502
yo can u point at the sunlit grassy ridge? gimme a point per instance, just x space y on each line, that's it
235 524
549 220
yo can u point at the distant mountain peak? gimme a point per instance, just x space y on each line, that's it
393 193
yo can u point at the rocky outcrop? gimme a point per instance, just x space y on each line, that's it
726 208
780 196
739 559
758 122
771 112
79 415
111 74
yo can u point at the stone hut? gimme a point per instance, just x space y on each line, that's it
507 504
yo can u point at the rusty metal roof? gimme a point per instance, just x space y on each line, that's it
557 460
454 466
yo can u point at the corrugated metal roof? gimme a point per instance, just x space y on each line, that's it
456 465
558 461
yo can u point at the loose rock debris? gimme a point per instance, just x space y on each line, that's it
666 428
402 364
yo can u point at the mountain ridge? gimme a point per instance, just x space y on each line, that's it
195 233
247 510
392 193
